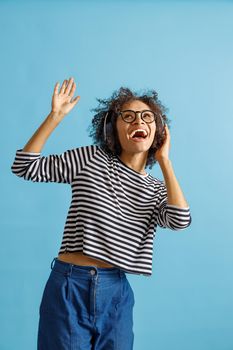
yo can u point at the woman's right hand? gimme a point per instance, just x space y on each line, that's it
63 101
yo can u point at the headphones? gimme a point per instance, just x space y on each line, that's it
105 118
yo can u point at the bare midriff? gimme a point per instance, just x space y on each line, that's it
77 258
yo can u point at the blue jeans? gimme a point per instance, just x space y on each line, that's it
86 308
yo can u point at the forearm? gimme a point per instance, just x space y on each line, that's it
37 141
174 193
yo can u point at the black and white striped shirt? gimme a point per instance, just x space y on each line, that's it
114 210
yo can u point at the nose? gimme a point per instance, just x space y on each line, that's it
138 118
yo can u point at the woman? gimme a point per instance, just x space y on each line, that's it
116 206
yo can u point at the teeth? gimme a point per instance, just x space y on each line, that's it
133 132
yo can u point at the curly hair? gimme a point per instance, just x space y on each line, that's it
113 106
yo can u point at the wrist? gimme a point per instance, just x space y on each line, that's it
163 160
58 116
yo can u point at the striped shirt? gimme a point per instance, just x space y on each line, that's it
114 210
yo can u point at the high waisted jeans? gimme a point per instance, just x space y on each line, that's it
86 308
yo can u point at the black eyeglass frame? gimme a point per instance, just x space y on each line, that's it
145 110
119 113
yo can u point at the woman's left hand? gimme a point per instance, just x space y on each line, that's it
163 151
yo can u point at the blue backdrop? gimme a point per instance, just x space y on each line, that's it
184 50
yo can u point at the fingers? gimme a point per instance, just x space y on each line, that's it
75 100
71 93
70 83
65 88
68 88
167 130
56 88
56 92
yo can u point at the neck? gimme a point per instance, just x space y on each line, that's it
135 161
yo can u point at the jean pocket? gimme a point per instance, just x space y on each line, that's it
56 294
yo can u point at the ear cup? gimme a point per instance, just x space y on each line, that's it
163 125
160 131
162 121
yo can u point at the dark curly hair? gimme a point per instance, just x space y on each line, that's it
113 106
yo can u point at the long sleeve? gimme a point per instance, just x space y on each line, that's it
59 168
172 216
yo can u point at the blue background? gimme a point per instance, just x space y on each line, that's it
184 50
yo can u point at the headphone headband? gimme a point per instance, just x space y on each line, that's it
105 119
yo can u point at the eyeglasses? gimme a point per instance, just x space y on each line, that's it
129 116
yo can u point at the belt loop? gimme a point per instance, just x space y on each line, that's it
52 263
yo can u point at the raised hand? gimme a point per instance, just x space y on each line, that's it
63 101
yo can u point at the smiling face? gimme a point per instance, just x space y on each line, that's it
134 145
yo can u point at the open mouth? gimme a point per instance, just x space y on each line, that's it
139 135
